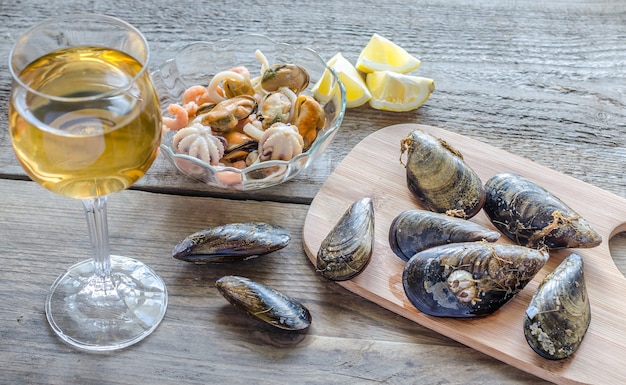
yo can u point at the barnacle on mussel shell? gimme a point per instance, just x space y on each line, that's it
231 242
469 279
264 303
439 178
559 313
531 216
347 249
415 230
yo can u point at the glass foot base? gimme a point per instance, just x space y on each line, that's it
98 315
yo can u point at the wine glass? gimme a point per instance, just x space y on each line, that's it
85 122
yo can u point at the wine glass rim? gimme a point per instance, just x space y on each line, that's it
144 63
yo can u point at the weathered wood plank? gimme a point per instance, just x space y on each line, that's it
536 79
543 80
203 338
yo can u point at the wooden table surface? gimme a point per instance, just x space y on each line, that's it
542 79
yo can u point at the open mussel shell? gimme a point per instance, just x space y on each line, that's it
231 242
559 313
469 279
439 178
347 249
415 230
264 303
531 216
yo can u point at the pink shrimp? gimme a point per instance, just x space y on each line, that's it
180 119
191 108
197 94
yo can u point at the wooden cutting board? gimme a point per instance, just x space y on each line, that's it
373 169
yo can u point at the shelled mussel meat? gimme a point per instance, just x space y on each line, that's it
415 230
469 279
264 303
231 242
225 115
531 216
559 313
439 178
309 117
347 249
275 107
278 75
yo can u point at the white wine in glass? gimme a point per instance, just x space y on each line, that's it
85 122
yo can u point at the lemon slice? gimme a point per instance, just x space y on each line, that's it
392 91
357 93
381 54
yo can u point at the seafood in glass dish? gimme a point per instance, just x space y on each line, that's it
242 114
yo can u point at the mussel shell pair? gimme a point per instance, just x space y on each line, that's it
439 178
264 303
469 279
348 247
531 216
559 313
231 242
415 230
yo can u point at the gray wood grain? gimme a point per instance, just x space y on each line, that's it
544 80
203 339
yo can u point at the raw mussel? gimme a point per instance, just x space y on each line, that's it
415 230
531 216
264 303
559 313
231 242
347 249
469 279
439 178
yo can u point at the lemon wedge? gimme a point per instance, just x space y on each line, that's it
357 93
397 92
381 54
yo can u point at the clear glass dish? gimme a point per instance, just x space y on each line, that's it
198 62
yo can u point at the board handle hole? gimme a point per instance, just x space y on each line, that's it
617 247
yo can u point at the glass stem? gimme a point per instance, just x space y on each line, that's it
96 213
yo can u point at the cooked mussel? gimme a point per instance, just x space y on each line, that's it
292 76
275 107
309 117
347 249
439 178
225 115
264 303
559 313
415 230
231 242
531 216
469 279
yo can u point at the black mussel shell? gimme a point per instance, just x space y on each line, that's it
559 313
231 242
439 178
347 249
264 303
531 216
415 230
469 279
